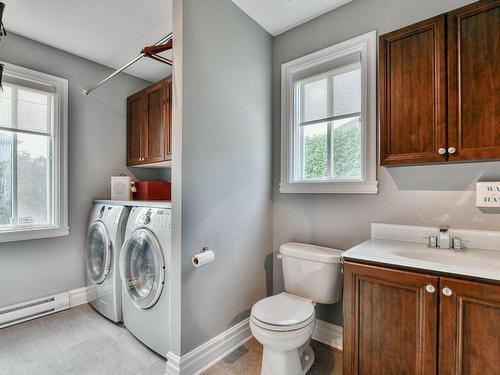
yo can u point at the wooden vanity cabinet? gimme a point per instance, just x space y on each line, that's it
469 328
149 124
439 84
403 322
390 321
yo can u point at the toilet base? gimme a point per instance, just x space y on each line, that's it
294 362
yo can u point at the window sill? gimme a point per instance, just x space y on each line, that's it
32 234
319 187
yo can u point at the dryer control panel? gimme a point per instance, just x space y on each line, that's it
153 218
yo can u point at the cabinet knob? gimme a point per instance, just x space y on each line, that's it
442 151
447 292
430 288
452 150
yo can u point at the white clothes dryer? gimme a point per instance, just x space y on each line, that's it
104 241
144 274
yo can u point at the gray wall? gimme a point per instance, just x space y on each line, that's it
424 195
97 127
226 166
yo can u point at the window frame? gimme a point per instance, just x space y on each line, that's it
366 46
59 158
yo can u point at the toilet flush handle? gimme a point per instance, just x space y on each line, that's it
279 256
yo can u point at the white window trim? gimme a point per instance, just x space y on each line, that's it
366 45
60 194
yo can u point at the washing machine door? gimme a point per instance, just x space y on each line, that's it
98 254
142 268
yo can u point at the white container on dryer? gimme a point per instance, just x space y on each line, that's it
104 241
144 273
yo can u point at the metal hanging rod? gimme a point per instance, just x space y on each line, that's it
131 62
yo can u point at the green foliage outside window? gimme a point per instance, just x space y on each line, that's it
346 152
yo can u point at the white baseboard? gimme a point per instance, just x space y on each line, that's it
328 334
77 297
211 352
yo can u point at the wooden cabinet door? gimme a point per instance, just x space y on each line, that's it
474 81
469 340
167 113
154 147
136 126
390 321
413 94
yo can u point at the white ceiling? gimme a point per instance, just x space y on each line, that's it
278 16
110 32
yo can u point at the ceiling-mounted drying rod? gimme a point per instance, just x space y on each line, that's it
146 52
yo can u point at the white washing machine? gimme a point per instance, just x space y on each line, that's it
144 273
104 241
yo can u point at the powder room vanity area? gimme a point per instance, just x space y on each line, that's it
412 308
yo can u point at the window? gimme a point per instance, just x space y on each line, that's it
328 139
33 128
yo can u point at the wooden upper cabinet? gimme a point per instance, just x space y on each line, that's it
390 321
154 150
469 328
149 125
474 81
413 93
136 116
439 88
167 113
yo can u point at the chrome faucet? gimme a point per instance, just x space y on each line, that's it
444 241
444 237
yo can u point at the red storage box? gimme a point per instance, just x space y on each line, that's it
153 190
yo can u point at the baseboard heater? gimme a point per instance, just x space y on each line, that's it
33 309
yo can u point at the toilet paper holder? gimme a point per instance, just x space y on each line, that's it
205 256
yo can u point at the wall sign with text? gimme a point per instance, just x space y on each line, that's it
488 194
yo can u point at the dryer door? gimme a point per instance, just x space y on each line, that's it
142 268
99 249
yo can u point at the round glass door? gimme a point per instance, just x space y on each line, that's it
142 268
98 252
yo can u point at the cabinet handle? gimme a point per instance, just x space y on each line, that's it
447 292
452 150
430 288
442 151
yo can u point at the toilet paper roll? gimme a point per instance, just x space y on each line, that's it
203 258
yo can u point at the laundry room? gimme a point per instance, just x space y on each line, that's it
226 187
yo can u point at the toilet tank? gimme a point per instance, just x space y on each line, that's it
312 272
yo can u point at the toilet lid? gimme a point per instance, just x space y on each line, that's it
283 310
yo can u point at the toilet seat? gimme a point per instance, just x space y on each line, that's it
283 312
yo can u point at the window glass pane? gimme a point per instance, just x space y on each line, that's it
33 110
315 100
347 148
6 106
347 92
315 155
33 179
6 147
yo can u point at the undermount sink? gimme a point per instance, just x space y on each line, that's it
450 257
467 262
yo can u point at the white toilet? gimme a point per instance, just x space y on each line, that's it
284 323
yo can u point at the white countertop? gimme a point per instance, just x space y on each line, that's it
152 204
469 262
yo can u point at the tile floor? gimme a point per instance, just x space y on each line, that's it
247 360
79 341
